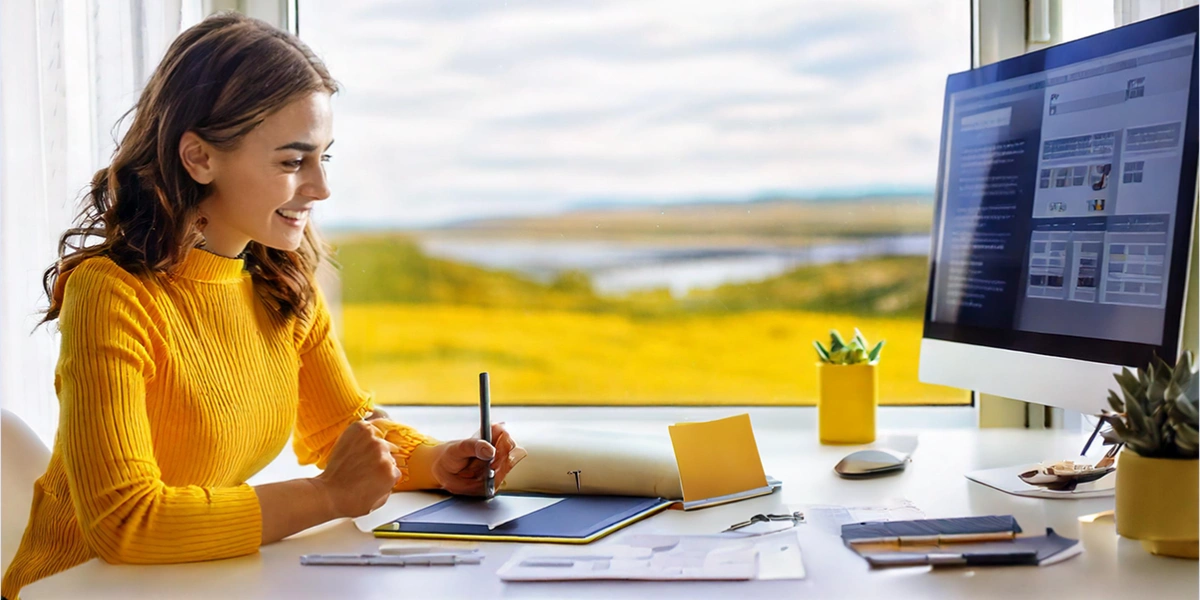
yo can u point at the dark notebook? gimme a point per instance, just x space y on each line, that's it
1028 550
932 542
925 527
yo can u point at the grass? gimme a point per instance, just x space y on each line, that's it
429 354
417 329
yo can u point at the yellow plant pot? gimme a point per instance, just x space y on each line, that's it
846 406
1157 503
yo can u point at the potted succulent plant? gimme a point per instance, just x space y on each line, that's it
1155 418
849 389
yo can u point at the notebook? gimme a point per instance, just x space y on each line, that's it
700 464
1021 550
856 532
941 542
572 520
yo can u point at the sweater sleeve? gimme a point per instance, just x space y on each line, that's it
125 511
330 398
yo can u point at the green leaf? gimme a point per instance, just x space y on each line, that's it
873 357
1161 370
821 351
1187 361
1125 379
1173 393
1143 447
1153 436
1130 385
1156 394
1186 440
1137 420
1187 407
1119 431
1111 436
1139 444
1115 402
1133 407
1183 370
835 341
859 339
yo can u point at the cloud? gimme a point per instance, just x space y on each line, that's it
452 110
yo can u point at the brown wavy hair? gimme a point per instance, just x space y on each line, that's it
220 79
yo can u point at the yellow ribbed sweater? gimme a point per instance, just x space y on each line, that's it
173 391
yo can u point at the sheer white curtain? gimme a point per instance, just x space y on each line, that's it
1128 11
68 70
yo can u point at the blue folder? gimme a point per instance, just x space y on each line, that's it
574 520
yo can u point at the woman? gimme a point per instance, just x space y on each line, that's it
194 339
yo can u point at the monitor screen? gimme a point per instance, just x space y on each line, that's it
1065 194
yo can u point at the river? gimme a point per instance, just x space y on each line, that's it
618 267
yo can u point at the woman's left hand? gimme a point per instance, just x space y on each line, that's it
461 466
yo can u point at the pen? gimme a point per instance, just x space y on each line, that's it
485 428
411 560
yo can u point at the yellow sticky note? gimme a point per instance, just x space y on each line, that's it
717 458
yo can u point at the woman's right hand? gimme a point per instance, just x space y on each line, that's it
360 472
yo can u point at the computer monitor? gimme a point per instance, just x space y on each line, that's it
1063 220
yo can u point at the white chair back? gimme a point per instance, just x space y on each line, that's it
23 458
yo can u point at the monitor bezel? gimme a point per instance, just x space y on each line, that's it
1094 350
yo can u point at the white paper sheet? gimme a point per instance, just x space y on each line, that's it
663 557
779 556
830 518
492 513
641 557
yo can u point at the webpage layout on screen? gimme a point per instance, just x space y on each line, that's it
1059 197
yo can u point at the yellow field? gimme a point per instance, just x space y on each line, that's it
430 354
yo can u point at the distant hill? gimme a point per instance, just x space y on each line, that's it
780 222
923 197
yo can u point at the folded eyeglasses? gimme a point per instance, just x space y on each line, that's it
796 517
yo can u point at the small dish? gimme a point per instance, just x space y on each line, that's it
1065 482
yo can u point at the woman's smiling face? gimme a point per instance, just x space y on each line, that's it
264 189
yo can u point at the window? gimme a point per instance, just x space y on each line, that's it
634 202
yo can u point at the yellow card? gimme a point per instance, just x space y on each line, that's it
717 458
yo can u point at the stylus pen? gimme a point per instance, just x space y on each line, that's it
485 429
412 560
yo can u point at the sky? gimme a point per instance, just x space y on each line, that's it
462 109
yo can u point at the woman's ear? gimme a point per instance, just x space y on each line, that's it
197 157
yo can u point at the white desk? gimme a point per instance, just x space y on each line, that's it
1109 568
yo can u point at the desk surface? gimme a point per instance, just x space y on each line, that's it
1109 566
